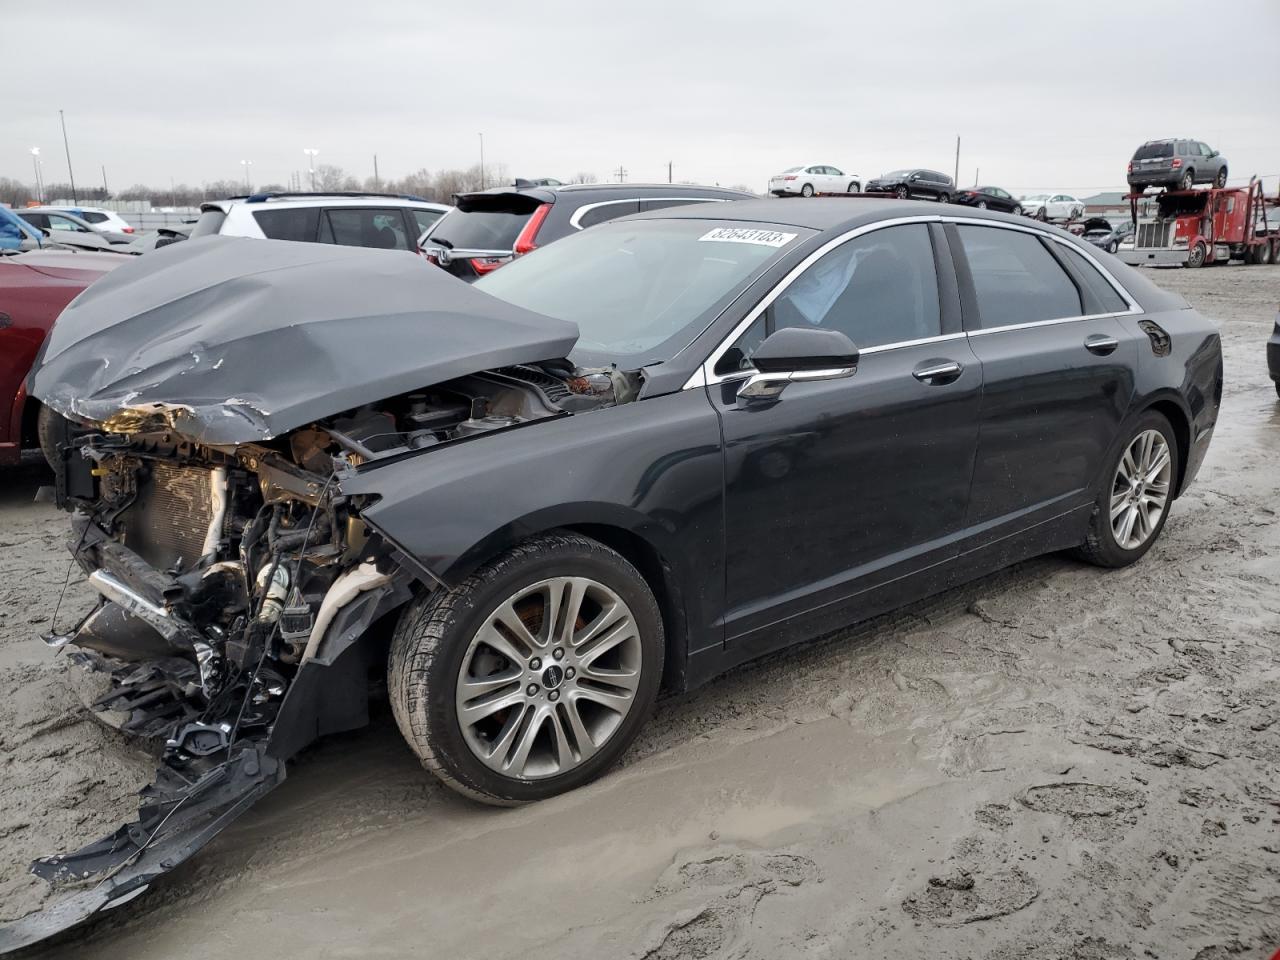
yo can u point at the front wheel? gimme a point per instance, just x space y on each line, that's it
1042 214
1199 253
944 198
1113 246
1132 507
806 190
902 193
50 427
531 677
1017 210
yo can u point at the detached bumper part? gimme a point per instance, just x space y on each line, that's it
189 804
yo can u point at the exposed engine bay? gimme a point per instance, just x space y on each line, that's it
236 583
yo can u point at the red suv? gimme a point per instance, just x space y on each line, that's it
34 287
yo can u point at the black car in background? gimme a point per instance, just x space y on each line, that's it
1106 234
916 183
1176 164
988 198
489 228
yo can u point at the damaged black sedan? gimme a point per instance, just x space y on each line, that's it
624 463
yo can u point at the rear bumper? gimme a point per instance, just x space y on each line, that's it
1153 178
1152 258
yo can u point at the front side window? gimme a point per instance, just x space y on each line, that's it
640 291
1015 278
876 289
65 223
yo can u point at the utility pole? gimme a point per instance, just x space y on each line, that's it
669 171
67 146
377 184
311 153
482 161
956 176
976 171
35 165
621 173
106 194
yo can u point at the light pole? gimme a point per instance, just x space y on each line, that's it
35 165
311 153
247 164
67 146
482 161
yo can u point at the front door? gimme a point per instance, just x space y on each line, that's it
841 487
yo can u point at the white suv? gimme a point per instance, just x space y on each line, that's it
380 220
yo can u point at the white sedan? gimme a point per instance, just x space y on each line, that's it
813 179
1053 206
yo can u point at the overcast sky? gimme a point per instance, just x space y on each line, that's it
1044 96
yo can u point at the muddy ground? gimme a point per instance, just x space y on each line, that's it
1053 762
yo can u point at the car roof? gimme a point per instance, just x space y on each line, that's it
640 190
329 200
843 213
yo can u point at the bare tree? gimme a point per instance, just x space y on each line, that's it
582 177
15 192
330 177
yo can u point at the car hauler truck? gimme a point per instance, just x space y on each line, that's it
1195 228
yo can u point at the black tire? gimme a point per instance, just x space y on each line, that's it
1043 214
50 428
806 190
1277 386
432 638
944 198
1198 256
902 193
1188 180
1220 180
1018 211
1100 547
982 204
1113 246
854 187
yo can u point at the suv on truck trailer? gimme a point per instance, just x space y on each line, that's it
490 227
1176 164
386 221
1199 227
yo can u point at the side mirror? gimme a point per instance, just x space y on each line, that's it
797 353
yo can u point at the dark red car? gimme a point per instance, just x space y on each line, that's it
34 287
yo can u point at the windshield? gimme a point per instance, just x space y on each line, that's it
641 290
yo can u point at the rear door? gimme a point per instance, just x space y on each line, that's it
1057 370
846 486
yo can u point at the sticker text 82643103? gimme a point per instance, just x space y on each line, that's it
765 238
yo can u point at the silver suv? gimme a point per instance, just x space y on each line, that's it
1177 165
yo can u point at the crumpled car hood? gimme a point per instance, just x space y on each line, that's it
238 340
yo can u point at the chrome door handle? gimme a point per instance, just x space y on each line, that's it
1101 344
943 372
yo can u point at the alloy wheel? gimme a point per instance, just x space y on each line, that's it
1140 491
549 678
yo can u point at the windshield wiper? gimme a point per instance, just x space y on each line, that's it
440 242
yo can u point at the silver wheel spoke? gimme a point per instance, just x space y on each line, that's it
1162 460
563 652
1140 490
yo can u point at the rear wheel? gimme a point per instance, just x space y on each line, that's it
982 204
1188 180
1113 246
854 187
533 675
1042 214
806 190
1132 507
902 192
944 198
1018 211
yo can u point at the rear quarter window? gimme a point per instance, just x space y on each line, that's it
1015 278
297 224
607 211
1104 296
92 216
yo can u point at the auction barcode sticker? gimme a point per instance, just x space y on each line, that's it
765 238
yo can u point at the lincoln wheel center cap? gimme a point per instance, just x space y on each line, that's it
552 677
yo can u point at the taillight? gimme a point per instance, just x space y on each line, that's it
524 242
788 178
483 265
127 229
1131 166
1177 162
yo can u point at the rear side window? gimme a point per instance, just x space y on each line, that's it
480 229
39 220
1154 151
1015 278
607 211
374 228
296 224
1104 295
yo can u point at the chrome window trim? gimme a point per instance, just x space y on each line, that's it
706 376
574 221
